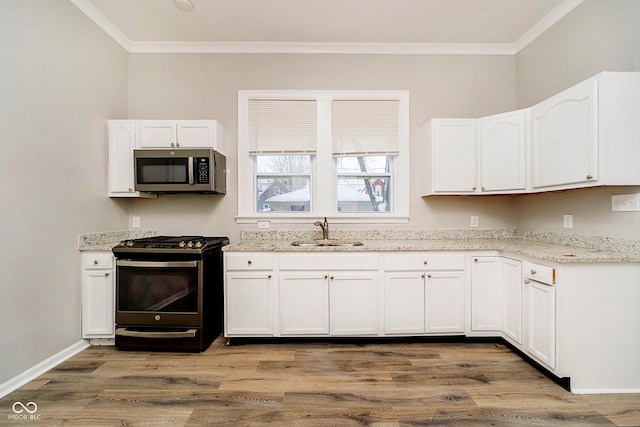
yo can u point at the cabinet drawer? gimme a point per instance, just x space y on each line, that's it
539 273
249 261
329 262
423 261
97 260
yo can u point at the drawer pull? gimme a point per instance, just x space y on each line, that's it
249 262
429 276
425 262
107 274
95 262
533 272
268 276
422 276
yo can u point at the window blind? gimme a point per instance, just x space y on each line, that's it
365 127
282 126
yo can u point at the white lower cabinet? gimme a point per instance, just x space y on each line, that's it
98 295
424 293
540 314
353 297
304 303
249 294
512 300
486 293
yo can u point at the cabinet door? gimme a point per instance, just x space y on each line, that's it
454 160
486 294
541 322
444 306
98 304
353 303
304 303
248 303
157 133
404 296
512 300
503 146
564 140
122 137
196 133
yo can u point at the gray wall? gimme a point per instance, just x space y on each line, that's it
60 78
205 86
596 36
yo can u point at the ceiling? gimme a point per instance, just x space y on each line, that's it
327 26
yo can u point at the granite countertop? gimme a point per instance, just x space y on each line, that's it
106 240
505 242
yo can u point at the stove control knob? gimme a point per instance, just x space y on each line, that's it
130 243
198 244
190 244
182 244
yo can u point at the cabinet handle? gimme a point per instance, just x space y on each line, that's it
326 276
177 144
107 274
422 276
331 277
130 190
589 176
482 188
95 262
526 282
268 276
475 260
249 262
429 276
426 262
533 272
473 188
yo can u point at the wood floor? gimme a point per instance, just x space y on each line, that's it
311 384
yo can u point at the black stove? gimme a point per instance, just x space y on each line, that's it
169 292
170 244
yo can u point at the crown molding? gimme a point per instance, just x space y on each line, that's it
326 48
559 12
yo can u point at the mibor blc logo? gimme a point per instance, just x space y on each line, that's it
24 411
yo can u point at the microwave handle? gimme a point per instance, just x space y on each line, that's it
190 171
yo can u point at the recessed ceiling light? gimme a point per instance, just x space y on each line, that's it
183 5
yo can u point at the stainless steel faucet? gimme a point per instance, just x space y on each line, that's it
325 228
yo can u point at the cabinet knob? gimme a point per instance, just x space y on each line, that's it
173 145
130 190
533 272
473 188
425 262
177 144
589 176
422 276
107 274
429 276
482 188
526 282
95 262
268 276
331 277
249 262
475 260
326 276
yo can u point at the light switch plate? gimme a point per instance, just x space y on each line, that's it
474 221
568 221
135 222
625 202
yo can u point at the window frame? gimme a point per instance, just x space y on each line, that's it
323 163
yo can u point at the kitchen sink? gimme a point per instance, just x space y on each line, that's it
326 242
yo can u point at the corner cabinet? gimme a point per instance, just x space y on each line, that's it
98 295
588 135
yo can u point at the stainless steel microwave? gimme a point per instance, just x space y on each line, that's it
180 170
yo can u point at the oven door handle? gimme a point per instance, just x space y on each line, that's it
156 264
124 332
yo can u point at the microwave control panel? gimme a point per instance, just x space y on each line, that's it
202 164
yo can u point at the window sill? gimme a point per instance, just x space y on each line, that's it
304 219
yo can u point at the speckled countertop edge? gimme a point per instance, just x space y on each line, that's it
542 246
106 240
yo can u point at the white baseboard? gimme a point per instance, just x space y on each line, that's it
42 367
605 390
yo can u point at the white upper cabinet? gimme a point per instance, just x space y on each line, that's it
503 143
180 134
585 136
122 141
588 135
451 157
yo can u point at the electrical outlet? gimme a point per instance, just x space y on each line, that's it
625 202
474 221
568 221
135 222
264 224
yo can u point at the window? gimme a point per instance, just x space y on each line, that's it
341 154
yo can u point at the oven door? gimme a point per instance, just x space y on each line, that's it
154 293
